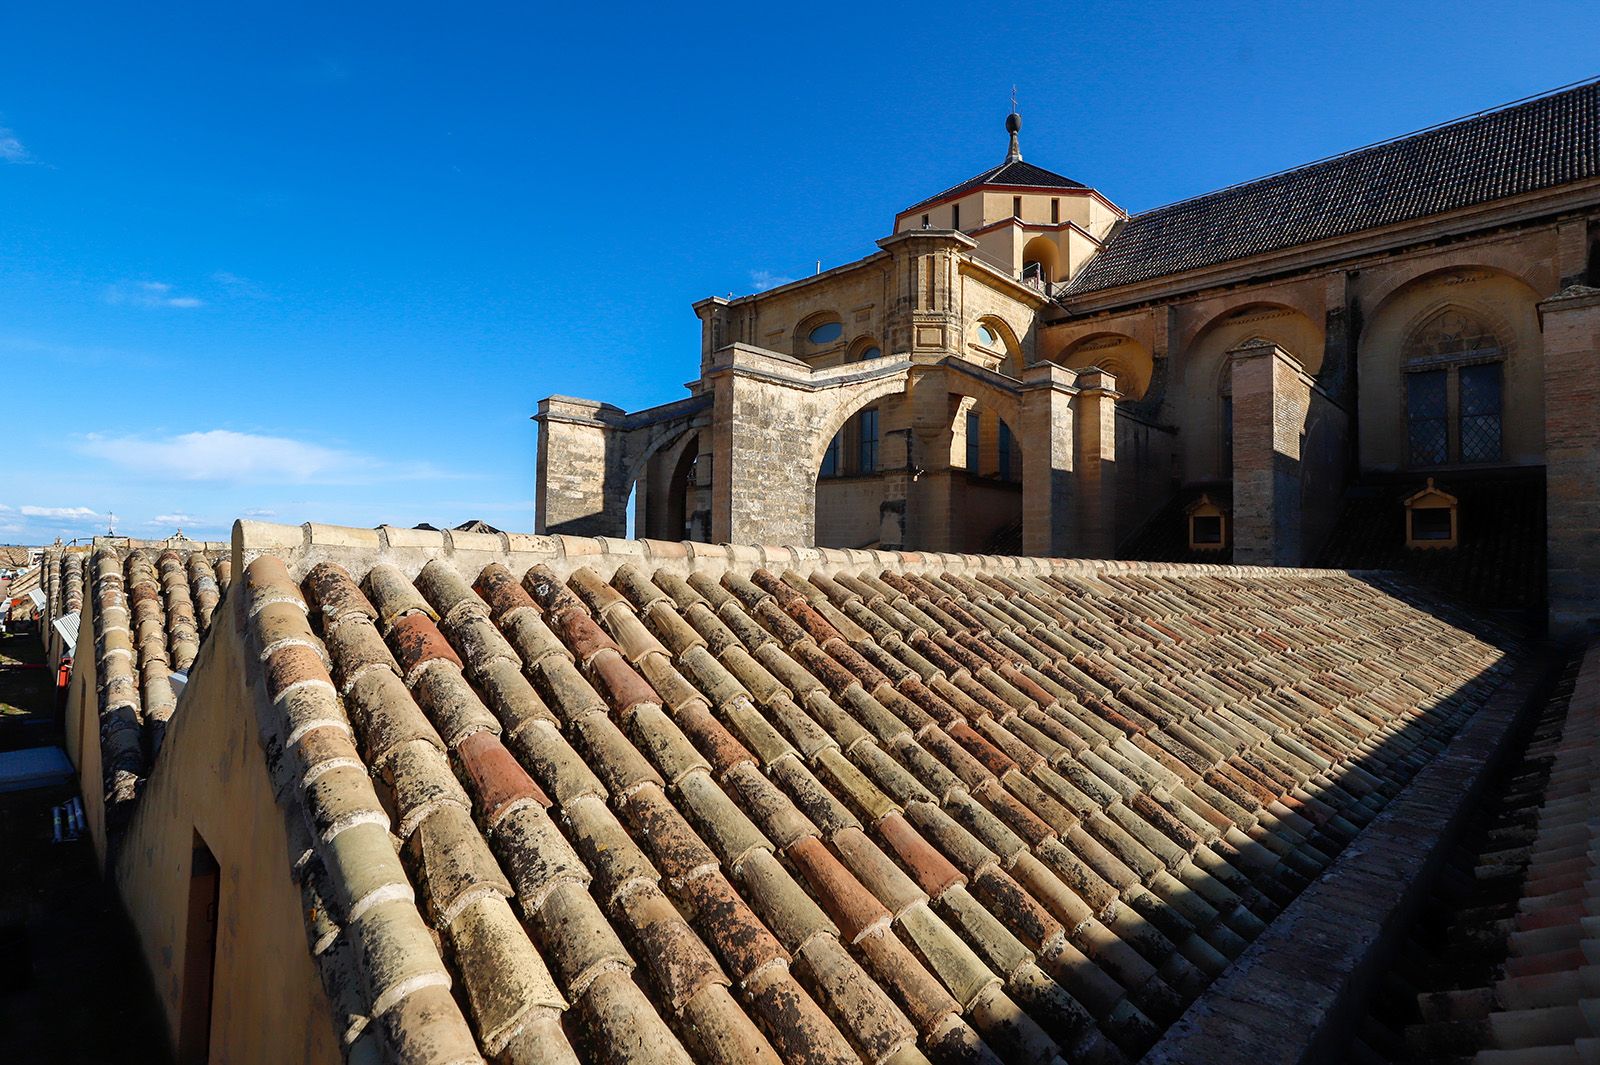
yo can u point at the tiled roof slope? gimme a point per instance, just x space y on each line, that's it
62 578
747 805
152 608
1500 969
1013 172
1552 140
26 583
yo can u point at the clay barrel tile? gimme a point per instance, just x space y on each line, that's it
420 782
609 852
596 594
608 752
852 907
499 588
497 781
504 978
532 638
933 873
355 649
624 689
664 744
633 582
721 823
535 854
453 864
386 716
452 705
398 959
581 634
731 927
417 643
447 592
576 940
388 589
679 853
678 960
768 807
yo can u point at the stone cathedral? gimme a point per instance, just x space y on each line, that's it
1384 359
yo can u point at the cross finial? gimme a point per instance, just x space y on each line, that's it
1013 99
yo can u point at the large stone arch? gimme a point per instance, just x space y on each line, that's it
655 482
771 421
1505 302
995 391
641 445
1203 372
591 455
838 405
1129 361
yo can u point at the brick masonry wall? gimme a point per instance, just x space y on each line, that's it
1572 454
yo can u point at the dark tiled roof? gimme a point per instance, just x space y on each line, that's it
1016 173
756 805
1500 562
1545 142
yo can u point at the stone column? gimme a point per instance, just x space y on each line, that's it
1095 465
1049 446
579 490
930 488
763 425
1570 321
1271 398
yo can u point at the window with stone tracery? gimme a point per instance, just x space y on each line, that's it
1454 391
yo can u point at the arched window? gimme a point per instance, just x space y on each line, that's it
863 348
987 336
1454 391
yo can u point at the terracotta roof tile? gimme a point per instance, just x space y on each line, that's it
1004 814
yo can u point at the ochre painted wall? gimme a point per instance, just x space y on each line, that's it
268 1005
1505 304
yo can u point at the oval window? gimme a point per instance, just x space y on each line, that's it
988 337
871 353
826 333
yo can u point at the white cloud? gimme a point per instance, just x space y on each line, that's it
226 455
257 512
12 149
150 294
174 519
761 280
240 286
5 509
64 513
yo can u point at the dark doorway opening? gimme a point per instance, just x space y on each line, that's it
199 956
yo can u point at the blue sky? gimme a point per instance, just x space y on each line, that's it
302 264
